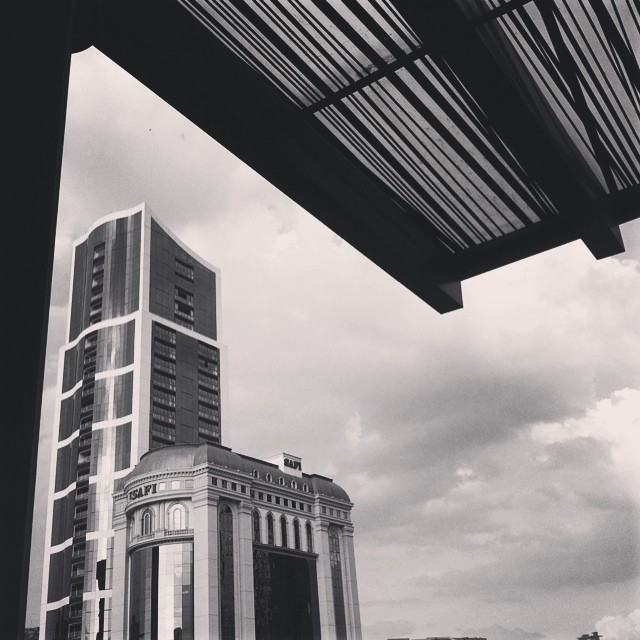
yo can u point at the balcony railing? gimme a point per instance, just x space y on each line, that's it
178 532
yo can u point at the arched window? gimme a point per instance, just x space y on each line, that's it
268 477
146 526
227 603
309 537
336 582
256 526
177 518
270 529
305 487
296 534
256 473
281 480
283 531
294 484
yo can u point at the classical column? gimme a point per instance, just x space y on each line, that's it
245 609
205 562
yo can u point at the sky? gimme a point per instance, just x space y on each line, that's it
492 453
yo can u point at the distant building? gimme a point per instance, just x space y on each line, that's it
209 543
439 638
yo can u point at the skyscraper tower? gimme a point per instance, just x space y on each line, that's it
140 370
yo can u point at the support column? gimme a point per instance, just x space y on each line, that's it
38 87
245 606
352 604
206 613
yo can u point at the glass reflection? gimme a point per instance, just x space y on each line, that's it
162 593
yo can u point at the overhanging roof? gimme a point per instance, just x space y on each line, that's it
441 138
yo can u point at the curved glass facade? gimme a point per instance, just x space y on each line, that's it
106 275
161 587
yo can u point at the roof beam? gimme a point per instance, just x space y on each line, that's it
443 28
172 53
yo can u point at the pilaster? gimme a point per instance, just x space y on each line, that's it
245 609
206 612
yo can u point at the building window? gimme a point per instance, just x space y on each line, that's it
184 270
147 523
283 531
294 484
281 481
270 529
336 583
177 517
305 487
256 526
296 535
256 473
309 537
268 477
227 604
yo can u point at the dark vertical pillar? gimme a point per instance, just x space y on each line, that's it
35 90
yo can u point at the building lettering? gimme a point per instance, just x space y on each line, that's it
140 492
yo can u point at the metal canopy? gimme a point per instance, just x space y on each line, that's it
441 139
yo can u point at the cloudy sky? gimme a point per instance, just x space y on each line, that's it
492 453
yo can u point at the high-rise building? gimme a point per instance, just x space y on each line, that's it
140 370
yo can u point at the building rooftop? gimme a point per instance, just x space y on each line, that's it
186 456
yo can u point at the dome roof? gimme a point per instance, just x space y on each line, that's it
186 456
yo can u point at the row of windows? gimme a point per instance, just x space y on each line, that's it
164 415
335 512
160 332
164 397
184 270
162 349
225 484
183 310
184 296
207 383
257 531
210 397
163 432
207 351
164 380
164 366
267 497
207 413
281 481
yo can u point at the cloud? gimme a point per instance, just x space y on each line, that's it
620 627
